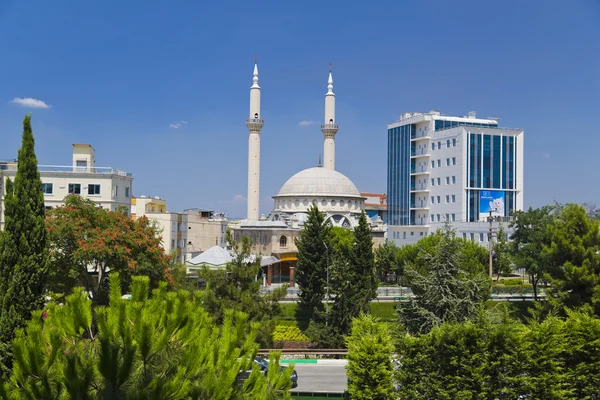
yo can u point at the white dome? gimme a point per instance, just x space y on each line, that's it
319 182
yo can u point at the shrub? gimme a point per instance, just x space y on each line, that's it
289 334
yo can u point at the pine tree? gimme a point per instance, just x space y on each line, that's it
160 347
312 263
24 250
369 366
445 293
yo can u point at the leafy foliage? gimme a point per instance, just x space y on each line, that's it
236 288
87 241
529 240
502 262
387 261
446 292
311 267
23 247
573 255
496 357
369 366
163 347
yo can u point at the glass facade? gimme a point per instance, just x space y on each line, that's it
398 179
491 165
442 124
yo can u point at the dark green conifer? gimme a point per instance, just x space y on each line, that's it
23 248
311 268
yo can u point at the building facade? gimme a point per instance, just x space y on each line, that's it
456 169
108 187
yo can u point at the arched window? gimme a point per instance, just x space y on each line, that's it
283 241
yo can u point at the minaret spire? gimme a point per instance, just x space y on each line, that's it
329 127
254 124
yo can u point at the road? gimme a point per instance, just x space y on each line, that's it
321 378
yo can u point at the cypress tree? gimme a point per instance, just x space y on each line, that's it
23 248
363 265
312 263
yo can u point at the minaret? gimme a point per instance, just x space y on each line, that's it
254 124
329 127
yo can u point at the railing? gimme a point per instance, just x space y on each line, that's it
321 352
71 169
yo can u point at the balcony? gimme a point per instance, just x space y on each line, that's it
419 206
69 169
329 129
419 188
419 171
255 124
417 138
417 154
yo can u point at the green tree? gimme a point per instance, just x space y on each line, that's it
162 347
387 261
311 267
87 242
502 263
446 292
573 255
531 235
369 366
364 280
23 247
236 288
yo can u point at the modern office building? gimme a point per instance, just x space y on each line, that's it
109 187
456 169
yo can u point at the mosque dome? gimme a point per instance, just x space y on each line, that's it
319 182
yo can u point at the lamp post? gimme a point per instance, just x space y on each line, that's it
327 287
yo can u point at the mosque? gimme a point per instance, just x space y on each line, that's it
334 193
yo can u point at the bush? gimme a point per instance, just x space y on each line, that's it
511 282
289 334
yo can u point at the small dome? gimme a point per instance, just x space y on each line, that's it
319 182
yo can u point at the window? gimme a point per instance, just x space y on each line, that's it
454 198
472 236
403 235
447 180
432 218
439 181
440 145
448 143
432 182
439 163
432 200
447 217
46 208
438 218
432 146
126 192
94 189
447 162
453 142
453 160
454 180
481 237
74 188
116 191
412 233
453 217
447 198
464 235
438 200
173 243
48 188
421 234
433 164
283 241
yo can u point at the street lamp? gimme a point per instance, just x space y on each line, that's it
327 287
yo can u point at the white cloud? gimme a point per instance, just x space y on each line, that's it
177 125
307 123
546 155
238 197
30 102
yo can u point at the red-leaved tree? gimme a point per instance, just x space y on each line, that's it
88 242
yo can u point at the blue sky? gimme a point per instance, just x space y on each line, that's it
118 74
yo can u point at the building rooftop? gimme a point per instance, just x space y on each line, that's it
12 167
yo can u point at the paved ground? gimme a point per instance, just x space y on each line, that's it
320 378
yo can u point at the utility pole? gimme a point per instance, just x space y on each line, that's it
491 235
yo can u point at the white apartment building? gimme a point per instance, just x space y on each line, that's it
458 169
109 187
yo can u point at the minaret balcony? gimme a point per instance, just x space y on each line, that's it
329 129
255 124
